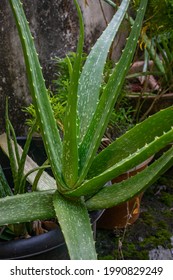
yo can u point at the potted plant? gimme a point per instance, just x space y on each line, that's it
119 122
79 173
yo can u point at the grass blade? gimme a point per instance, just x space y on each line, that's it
20 183
5 189
12 149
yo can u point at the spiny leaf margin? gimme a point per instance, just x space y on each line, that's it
92 139
75 224
125 190
39 92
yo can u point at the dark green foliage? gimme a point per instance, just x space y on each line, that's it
159 16
121 117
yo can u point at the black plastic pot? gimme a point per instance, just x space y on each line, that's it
47 246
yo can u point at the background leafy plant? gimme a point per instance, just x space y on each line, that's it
159 17
121 117
158 26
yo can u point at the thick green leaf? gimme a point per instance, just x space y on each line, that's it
39 93
121 192
26 207
92 186
92 139
91 76
70 142
75 224
133 140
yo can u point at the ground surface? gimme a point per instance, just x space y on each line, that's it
151 236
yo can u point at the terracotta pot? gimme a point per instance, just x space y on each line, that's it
126 213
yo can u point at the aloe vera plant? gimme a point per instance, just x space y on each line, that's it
80 174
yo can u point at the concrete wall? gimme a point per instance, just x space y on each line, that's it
54 25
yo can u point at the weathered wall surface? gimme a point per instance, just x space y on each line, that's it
54 25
